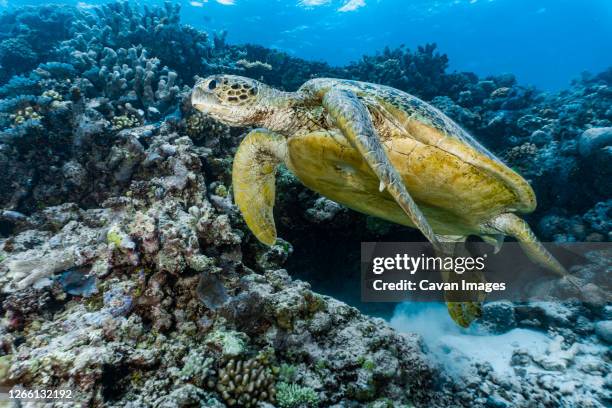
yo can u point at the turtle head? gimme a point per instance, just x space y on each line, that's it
231 99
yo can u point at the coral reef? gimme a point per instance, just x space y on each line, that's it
422 72
147 248
28 35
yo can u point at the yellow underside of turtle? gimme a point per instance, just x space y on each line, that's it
455 196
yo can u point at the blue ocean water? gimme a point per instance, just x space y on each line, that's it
545 43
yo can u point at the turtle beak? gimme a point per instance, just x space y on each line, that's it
198 101
202 97
202 108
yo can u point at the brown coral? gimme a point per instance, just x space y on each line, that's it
521 152
125 122
25 114
245 383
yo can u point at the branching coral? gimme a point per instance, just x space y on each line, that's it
53 94
197 366
245 383
16 55
421 72
31 33
521 152
125 122
158 29
24 115
129 76
294 395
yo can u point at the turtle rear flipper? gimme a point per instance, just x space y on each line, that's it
463 306
351 116
510 224
253 180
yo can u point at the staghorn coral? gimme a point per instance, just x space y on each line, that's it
293 395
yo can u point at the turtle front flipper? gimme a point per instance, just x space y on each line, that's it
351 116
253 179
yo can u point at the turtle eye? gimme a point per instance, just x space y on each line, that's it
212 84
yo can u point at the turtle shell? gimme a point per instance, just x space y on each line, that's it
397 115
458 184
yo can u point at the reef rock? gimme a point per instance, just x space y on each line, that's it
594 139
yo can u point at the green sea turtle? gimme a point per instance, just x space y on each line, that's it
374 149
